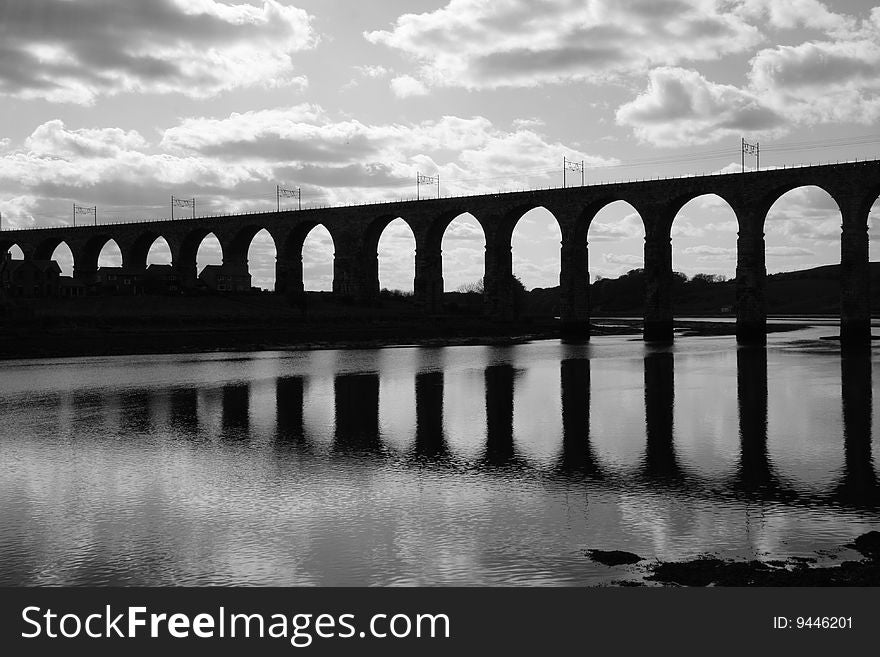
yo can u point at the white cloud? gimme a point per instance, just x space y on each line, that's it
827 230
723 226
373 71
706 252
788 251
231 163
820 82
835 78
533 122
684 227
681 107
54 140
307 144
623 259
521 43
405 86
74 52
629 227
792 14
17 211
464 231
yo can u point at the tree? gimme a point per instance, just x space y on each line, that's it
475 287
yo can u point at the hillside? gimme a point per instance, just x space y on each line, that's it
807 291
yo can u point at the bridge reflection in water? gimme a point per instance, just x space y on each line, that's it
492 465
357 426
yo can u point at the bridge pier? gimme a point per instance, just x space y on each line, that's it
499 294
751 274
660 460
855 278
430 439
755 470
574 290
499 382
428 284
187 276
289 275
658 282
356 276
85 274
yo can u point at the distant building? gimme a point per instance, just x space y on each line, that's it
226 278
119 281
29 277
161 279
68 287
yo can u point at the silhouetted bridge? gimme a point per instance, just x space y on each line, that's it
356 230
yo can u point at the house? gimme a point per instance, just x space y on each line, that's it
161 279
119 281
226 278
29 277
69 287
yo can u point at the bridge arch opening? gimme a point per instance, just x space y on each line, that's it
15 252
198 249
159 253
396 254
208 252
616 239
110 254
535 249
149 248
704 256
317 260
463 251
261 256
64 257
874 235
802 233
874 254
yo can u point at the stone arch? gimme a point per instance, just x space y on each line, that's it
539 231
396 245
248 253
262 256
160 252
63 255
13 249
764 204
186 259
45 248
138 253
710 264
610 222
86 257
235 250
293 261
369 254
467 230
802 229
502 296
48 250
110 254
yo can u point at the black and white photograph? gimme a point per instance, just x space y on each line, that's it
440 294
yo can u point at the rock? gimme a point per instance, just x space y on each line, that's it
869 545
613 557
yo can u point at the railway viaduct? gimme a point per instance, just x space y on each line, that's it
356 230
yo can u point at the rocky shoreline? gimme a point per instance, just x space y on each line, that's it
707 570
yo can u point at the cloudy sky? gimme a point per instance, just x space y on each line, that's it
121 103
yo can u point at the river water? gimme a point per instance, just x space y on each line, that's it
466 465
